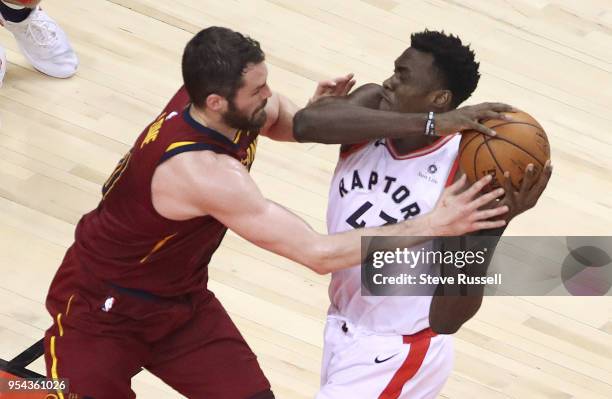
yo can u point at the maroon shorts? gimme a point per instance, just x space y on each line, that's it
103 335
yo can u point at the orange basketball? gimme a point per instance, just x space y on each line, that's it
518 143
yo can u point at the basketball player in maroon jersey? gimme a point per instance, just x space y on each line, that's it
131 291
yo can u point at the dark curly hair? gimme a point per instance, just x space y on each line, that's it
454 59
214 60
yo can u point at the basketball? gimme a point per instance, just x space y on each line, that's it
517 144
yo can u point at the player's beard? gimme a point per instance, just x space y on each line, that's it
238 120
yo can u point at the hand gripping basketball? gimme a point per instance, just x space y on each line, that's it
469 117
458 212
529 193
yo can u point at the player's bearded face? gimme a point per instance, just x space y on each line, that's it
244 120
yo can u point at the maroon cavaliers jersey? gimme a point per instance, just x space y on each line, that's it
124 241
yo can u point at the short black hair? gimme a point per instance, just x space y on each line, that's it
454 59
214 60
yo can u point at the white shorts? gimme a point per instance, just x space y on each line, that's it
362 365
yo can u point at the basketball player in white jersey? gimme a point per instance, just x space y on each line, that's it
396 346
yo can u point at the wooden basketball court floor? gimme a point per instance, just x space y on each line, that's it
60 139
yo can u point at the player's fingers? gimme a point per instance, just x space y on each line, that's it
490 213
327 84
348 76
482 129
510 193
547 172
528 179
495 203
507 182
343 79
495 115
343 88
321 90
501 107
491 224
548 165
350 85
456 186
542 181
476 188
486 198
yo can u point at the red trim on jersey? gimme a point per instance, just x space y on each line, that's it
426 333
451 175
421 151
352 148
419 344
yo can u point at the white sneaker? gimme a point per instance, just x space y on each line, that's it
2 65
44 44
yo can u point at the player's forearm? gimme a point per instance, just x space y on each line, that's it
293 238
452 306
340 251
282 130
343 123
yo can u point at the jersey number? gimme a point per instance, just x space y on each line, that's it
119 169
353 220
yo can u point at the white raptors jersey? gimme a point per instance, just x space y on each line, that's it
373 186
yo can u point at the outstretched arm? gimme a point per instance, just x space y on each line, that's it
279 118
357 118
280 110
354 119
225 190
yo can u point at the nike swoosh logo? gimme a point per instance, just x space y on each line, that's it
383 360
